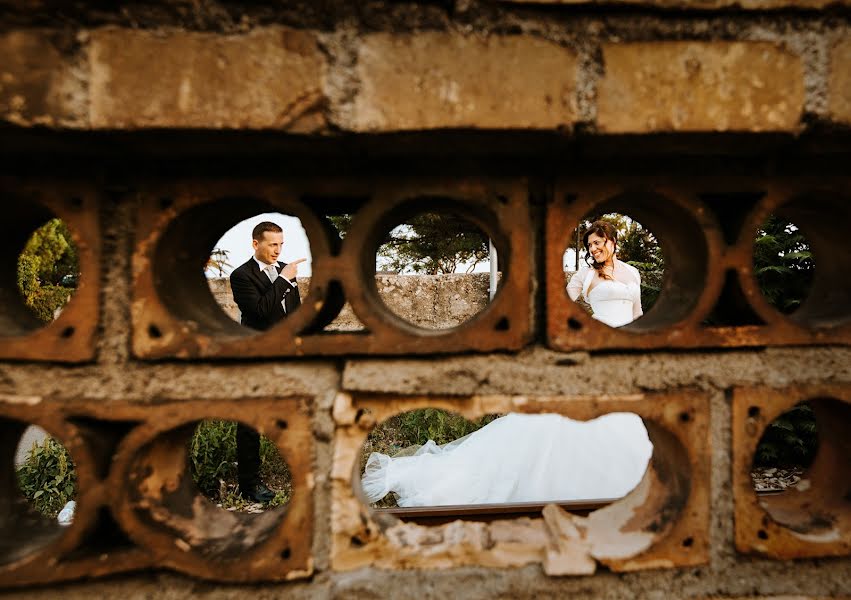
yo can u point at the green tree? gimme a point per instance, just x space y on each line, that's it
791 439
428 243
48 269
783 264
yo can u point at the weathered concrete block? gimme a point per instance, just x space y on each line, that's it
38 85
702 4
269 78
700 86
840 81
440 80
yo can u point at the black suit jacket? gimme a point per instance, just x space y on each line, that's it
259 299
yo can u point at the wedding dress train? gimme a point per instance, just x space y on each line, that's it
519 458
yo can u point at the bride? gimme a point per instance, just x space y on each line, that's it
611 287
535 458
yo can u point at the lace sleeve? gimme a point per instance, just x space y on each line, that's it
574 286
636 306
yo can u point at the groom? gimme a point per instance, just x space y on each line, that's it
266 292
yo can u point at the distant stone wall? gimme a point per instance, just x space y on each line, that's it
430 301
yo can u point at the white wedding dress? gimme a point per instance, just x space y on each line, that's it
519 458
615 302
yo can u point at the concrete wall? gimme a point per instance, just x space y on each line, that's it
429 301
122 99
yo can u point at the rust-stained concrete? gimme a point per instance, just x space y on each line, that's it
645 529
57 83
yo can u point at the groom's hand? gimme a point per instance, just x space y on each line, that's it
291 270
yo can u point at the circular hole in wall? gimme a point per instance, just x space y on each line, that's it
436 269
668 245
614 268
783 264
38 488
238 469
41 271
802 469
200 253
163 494
809 229
236 276
429 457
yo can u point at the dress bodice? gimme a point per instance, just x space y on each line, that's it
612 301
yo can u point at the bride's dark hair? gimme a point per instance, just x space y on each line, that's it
606 230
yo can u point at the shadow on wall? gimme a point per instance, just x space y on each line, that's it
430 301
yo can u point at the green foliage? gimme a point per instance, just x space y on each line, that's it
783 264
47 478
212 455
428 243
342 223
212 460
46 299
416 427
790 440
48 269
433 243
443 427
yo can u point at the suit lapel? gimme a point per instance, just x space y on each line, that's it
259 277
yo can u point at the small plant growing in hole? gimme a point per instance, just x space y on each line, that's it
47 477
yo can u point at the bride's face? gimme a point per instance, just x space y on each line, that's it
601 249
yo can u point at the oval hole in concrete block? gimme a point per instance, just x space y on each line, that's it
164 497
427 458
784 264
284 241
226 456
39 481
802 469
433 269
38 285
614 240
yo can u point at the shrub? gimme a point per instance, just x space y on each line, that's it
47 478
212 455
790 440
212 460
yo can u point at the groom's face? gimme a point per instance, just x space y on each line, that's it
268 247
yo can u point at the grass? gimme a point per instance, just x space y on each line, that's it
212 460
405 432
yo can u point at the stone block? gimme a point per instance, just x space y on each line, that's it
701 4
270 78
839 87
441 80
700 86
38 85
